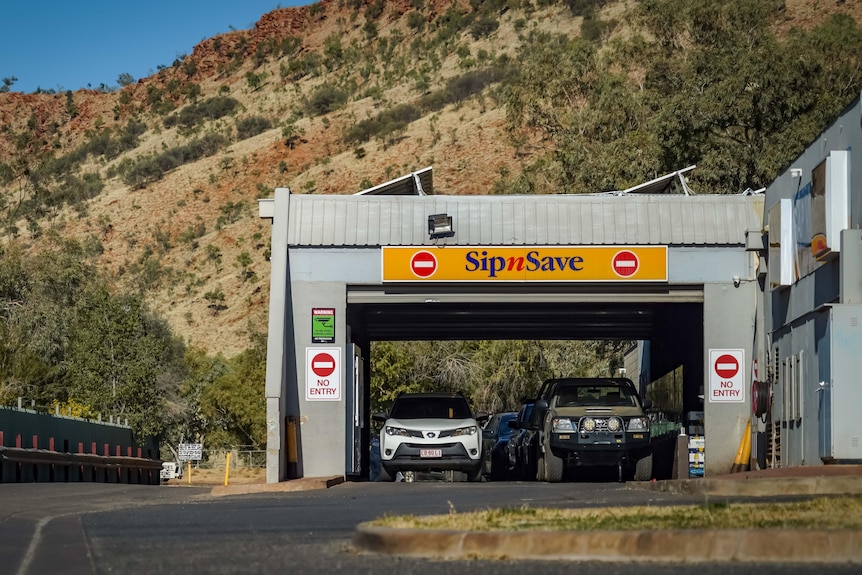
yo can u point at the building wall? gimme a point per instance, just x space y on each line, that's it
798 347
729 324
319 280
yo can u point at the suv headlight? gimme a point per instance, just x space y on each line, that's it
638 424
469 430
392 430
562 424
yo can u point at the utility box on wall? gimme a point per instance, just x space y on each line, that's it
841 395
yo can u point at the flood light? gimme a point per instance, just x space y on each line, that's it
440 226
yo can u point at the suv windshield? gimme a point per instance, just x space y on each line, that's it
582 395
431 408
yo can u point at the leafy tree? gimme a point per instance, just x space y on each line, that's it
8 82
244 260
125 79
252 126
494 375
391 368
188 422
37 295
123 360
326 98
234 404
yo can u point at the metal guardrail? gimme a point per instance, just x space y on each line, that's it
18 465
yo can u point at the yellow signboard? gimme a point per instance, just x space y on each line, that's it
526 263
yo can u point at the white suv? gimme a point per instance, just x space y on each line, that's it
430 432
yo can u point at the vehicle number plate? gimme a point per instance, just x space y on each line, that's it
430 453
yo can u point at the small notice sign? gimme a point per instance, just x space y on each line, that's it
323 325
190 451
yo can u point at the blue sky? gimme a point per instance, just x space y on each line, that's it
68 44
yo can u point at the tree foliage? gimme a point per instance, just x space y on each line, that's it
234 404
494 375
122 360
696 83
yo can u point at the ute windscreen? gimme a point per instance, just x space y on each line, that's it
583 395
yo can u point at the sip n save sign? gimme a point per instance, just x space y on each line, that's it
726 375
322 374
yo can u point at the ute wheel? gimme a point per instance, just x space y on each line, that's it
643 468
540 468
553 467
385 475
621 477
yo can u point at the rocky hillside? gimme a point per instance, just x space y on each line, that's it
159 179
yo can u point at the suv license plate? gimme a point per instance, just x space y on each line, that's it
430 453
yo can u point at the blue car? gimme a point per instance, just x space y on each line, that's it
495 446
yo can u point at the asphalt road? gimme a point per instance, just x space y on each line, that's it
83 529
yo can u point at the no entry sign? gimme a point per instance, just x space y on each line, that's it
726 366
625 264
423 264
726 378
323 364
323 374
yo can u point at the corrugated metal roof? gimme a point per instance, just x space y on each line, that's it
356 220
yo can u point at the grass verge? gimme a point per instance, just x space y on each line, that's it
817 513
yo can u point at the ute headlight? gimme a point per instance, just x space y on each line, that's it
588 424
638 424
562 424
392 430
614 424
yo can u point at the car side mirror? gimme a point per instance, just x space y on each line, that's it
647 404
538 415
482 416
512 423
379 416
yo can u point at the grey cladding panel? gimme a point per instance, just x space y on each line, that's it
524 220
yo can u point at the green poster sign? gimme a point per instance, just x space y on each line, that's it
323 325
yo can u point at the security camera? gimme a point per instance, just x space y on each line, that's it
736 281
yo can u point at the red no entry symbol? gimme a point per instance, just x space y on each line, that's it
323 364
625 264
726 366
423 264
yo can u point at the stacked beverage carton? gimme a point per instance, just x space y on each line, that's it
696 443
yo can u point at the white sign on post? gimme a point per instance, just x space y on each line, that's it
322 374
726 375
190 451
